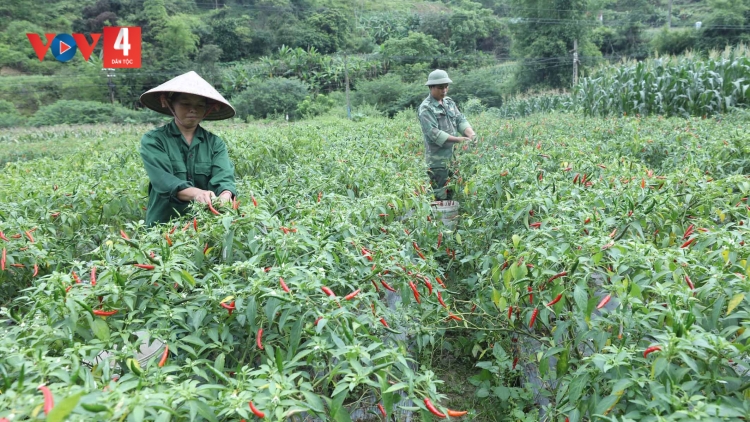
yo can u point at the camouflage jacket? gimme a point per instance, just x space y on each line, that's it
439 121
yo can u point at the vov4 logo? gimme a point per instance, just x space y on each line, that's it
121 48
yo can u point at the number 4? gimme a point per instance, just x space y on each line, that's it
121 43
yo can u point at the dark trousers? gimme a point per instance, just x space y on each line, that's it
439 179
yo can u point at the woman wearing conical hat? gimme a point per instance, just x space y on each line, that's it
185 162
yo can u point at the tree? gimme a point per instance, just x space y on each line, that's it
543 40
727 24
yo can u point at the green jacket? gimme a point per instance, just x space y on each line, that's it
173 166
439 121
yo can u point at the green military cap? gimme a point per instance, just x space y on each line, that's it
438 77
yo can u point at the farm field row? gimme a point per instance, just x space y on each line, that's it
598 271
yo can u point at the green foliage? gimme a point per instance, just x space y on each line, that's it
675 41
273 96
390 95
414 48
484 84
232 34
543 46
9 115
311 107
726 25
177 40
683 86
88 112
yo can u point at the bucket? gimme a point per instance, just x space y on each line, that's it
447 211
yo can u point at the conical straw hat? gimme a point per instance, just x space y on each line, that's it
188 83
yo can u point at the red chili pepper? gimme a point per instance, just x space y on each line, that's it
255 411
505 265
688 232
510 311
317 320
440 239
2 260
75 278
536 225
228 306
454 317
259 339
49 400
555 300
144 266
382 321
689 282
99 312
421 255
173 229
352 295
387 286
587 221
124 235
533 318
432 408
604 302
575 179
235 204
212 209
195 224
415 291
515 362
556 276
456 413
17 265
169 241
16 236
414 244
28 234
2 236
382 411
36 270
164 356
429 286
377 289
583 181
688 243
185 227
531 294
440 299
651 350
327 291
284 286
440 282
93 276
320 195
255 203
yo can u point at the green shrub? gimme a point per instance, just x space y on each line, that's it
390 95
87 112
675 41
314 106
9 115
270 96
473 107
483 84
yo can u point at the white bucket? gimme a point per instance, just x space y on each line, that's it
447 211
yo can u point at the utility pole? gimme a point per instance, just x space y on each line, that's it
575 62
346 79
111 85
669 16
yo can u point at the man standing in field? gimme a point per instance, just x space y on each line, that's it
443 126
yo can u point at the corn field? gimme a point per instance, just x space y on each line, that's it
669 86
684 86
